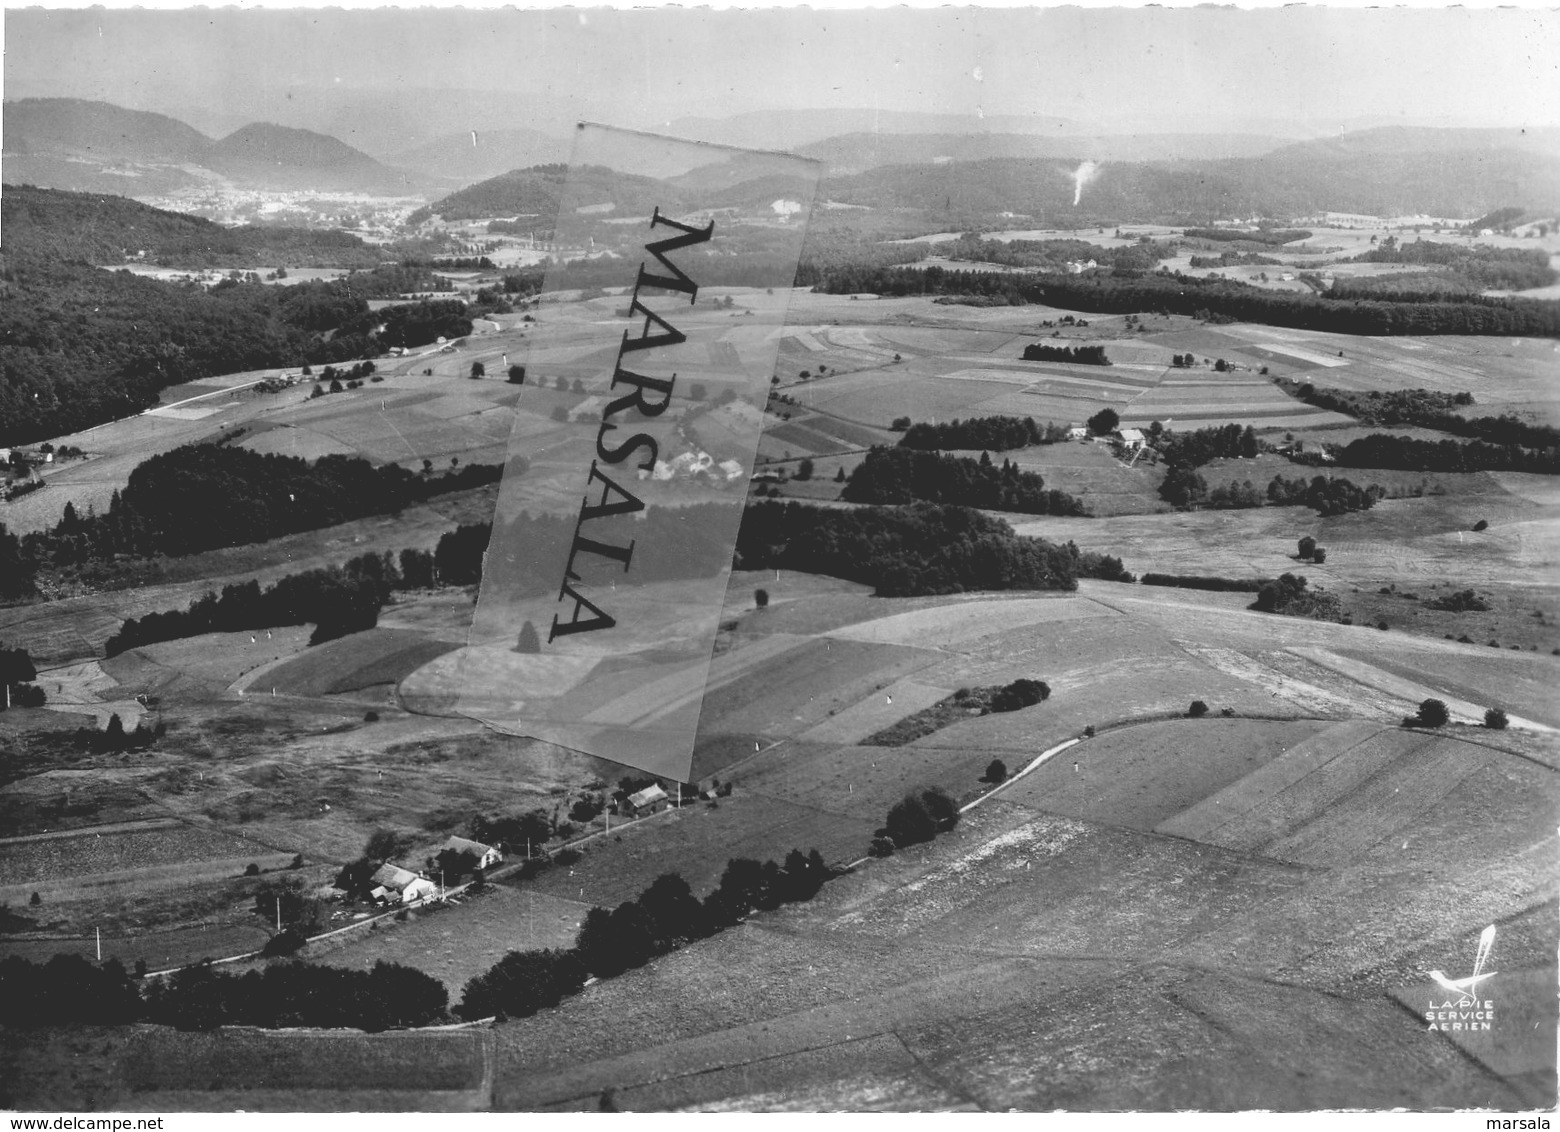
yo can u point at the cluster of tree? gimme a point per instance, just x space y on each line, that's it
1079 355
905 475
1326 494
923 548
918 817
205 496
337 600
995 434
1464 601
1019 694
16 569
16 673
465 263
1509 269
1234 496
1053 255
1427 408
1290 594
1218 299
664 916
69 989
1381 450
1270 237
1205 582
1204 445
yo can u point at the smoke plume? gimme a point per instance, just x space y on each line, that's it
1081 177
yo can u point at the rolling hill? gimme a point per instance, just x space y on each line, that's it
85 146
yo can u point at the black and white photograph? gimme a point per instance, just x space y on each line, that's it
779 559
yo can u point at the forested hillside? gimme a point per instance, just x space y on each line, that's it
105 229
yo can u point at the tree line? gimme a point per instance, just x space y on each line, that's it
1219 299
663 917
69 989
995 434
904 475
914 550
1380 450
1425 408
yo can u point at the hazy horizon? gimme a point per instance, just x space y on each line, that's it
1291 71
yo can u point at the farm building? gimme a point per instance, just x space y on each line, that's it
646 800
1131 437
1077 432
394 882
485 855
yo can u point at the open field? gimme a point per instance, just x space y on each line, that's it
1220 913
697 841
1139 777
458 943
350 664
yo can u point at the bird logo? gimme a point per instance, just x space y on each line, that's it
1464 988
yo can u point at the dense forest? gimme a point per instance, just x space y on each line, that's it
336 600
1078 355
905 475
994 434
80 346
1130 292
204 496
923 548
105 229
1424 408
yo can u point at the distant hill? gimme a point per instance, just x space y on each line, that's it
106 229
99 129
539 192
1387 176
792 129
476 155
74 144
856 153
283 157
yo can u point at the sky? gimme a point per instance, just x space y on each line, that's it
1191 69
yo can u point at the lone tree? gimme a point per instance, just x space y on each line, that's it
1307 546
1495 719
516 375
1319 555
804 470
761 598
1197 710
1104 422
478 370
996 771
529 641
1433 713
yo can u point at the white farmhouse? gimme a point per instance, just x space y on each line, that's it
485 855
1131 437
394 881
